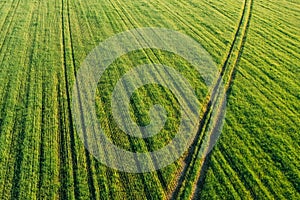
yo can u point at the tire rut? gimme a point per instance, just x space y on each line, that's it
228 86
227 68
69 117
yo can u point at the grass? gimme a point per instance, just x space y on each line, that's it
42 45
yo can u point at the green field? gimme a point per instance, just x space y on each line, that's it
256 47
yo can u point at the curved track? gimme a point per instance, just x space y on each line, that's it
196 161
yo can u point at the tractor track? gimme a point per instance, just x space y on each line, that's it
91 185
69 117
227 68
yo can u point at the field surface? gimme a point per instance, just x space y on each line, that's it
255 45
